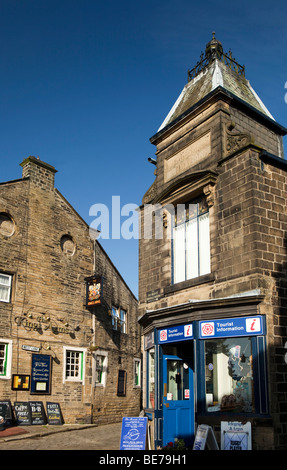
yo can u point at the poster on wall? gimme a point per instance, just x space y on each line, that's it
235 436
20 382
41 374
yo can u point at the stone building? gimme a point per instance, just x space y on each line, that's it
68 321
212 275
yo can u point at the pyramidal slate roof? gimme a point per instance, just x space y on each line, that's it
215 69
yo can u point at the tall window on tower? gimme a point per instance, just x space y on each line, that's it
191 242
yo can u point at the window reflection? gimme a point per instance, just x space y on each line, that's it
177 380
229 375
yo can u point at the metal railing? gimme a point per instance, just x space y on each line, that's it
206 59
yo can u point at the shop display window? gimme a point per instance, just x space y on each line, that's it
229 384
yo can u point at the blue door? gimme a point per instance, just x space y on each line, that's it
178 400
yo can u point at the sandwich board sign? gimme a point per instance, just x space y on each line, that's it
37 412
205 437
235 436
54 414
23 413
6 412
134 433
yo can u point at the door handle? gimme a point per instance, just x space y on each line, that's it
164 390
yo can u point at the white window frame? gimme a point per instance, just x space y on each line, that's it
7 287
119 319
81 377
137 361
102 354
123 320
8 358
190 244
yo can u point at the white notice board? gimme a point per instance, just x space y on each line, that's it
235 436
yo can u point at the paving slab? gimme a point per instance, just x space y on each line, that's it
65 437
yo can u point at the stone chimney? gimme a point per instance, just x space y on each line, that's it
41 173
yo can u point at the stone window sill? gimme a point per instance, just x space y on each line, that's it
189 283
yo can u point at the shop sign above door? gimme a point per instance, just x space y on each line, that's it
175 333
231 327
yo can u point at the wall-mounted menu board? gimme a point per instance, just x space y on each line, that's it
23 413
41 374
54 414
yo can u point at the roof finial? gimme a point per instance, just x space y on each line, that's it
214 50
214 47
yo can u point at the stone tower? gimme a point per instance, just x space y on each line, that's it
220 196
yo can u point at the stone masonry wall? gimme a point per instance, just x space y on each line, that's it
248 227
122 348
49 254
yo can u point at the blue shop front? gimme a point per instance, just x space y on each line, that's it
205 371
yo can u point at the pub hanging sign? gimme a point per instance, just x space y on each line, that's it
94 291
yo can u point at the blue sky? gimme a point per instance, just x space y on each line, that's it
84 84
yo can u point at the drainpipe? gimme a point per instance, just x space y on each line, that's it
93 343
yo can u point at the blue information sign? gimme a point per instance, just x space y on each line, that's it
134 433
175 333
231 327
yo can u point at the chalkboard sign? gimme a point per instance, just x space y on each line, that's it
6 412
37 412
134 434
54 414
23 413
41 374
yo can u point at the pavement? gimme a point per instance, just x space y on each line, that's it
107 433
